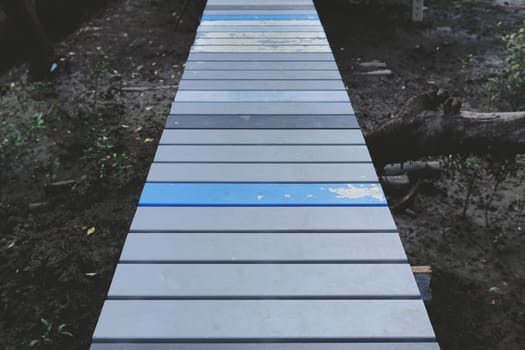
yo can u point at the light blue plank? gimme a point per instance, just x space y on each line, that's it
225 28
243 194
261 23
261 17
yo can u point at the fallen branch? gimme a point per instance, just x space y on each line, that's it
372 64
433 124
146 88
396 183
376 72
414 169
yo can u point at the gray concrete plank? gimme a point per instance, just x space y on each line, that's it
276 320
262 219
261 48
262 96
196 56
259 75
261 65
253 8
262 154
256 85
286 281
259 23
263 137
267 346
260 2
262 108
263 247
260 42
261 172
260 35
261 121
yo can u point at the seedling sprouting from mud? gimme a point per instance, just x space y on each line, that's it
51 333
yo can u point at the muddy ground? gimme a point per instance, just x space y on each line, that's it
76 150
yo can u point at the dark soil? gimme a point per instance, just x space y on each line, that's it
103 137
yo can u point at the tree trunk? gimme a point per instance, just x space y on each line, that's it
432 124
22 15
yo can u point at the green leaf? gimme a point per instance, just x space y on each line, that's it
69 334
34 342
44 322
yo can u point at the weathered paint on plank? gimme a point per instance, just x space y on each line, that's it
263 247
243 194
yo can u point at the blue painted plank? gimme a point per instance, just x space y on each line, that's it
244 194
246 28
261 17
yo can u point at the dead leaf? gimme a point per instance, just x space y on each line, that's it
139 129
91 230
90 274
148 140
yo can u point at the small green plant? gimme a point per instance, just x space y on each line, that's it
515 72
498 235
16 134
104 154
510 85
50 166
51 333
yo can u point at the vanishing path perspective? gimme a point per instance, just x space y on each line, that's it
262 224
